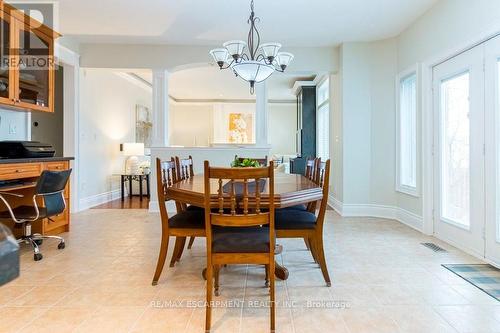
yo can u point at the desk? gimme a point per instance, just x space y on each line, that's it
27 171
131 177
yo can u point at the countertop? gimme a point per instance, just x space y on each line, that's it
34 160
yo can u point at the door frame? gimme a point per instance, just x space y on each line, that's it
427 120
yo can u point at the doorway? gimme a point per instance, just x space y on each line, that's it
467 150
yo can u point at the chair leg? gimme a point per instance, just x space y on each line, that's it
208 307
267 276
181 249
161 258
190 244
273 297
313 249
306 241
175 254
216 278
318 244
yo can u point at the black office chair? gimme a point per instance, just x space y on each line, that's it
50 186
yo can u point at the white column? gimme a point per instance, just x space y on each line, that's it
261 115
160 108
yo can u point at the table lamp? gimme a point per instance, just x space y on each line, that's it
132 150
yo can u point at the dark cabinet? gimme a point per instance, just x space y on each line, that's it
306 128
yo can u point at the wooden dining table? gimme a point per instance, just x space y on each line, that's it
289 190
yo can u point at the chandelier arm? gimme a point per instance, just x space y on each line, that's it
260 57
244 56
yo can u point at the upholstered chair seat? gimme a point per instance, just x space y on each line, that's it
294 219
240 240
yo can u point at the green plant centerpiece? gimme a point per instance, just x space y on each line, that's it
245 163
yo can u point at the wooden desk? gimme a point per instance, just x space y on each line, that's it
289 190
27 171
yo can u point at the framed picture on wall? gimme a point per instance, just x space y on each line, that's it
143 125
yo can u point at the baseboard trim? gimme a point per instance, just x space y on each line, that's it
382 211
98 199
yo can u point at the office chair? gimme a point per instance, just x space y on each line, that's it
50 186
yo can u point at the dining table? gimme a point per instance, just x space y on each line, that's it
289 190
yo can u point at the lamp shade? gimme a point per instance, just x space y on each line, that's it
219 55
235 47
253 71
133 149
270 50
284 59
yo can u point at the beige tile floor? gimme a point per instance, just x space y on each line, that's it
383 281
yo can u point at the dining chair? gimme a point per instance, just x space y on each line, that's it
239 230
185 171
186 223
262 161
310 173
307 225
184 167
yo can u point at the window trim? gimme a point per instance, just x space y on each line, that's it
409 190
320 105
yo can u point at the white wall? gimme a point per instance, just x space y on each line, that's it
448 26
282 127
366 106
175 57
15 120
107 118
191 124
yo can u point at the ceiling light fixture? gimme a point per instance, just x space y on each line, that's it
260 62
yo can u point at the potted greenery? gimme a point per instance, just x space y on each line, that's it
245 163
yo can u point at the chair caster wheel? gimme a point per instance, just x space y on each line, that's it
61 246
328 284
37 256
217 293
38 242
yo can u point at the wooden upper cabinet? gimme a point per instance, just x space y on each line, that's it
27 69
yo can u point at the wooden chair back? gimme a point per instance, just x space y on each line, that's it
323 180
166 176
184 167
311 164
262 161
239 201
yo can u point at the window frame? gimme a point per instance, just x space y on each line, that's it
319 106
404 188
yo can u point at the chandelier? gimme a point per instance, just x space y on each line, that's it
261 60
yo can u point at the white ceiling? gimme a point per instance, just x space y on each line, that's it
210 22
210 83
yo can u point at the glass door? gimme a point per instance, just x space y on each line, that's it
492 130
458 86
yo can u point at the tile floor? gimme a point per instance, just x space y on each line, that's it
383 281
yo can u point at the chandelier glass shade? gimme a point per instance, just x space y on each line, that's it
260 61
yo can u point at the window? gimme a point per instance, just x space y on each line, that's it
455 150
323 120
407 134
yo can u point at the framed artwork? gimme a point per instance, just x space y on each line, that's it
234 123
240 128
143 125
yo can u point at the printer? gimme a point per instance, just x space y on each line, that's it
25 149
